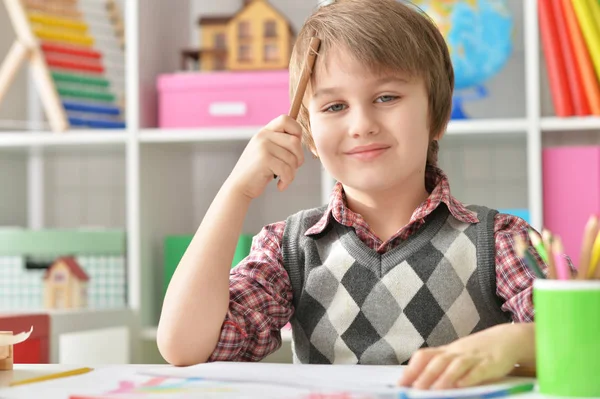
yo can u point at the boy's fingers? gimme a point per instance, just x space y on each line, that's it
285 124
416 365
291 143
283 154
455 371
434 369
283 170
482 371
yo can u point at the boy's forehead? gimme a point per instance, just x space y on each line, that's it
336 62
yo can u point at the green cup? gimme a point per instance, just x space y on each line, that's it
567 329
242 249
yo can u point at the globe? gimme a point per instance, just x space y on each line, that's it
479 35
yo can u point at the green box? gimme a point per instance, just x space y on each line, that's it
567 328
175 246
49 242
25 253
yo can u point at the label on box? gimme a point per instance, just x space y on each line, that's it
227 109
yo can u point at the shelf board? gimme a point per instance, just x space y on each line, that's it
70 138
556 124
243 133
487 126
187 135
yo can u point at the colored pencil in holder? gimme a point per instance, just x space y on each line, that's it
547 240
538 245
562 268
590 235
523 253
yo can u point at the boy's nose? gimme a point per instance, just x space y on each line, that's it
363 123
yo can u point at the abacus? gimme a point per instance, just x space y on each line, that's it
75 49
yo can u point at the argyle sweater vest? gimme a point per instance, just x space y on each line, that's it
353 305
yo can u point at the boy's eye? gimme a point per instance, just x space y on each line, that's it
336 108
385 99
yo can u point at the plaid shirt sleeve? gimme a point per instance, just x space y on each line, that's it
514 280
260 301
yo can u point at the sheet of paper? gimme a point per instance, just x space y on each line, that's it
125 382
314 376
237 380
380 380
6 339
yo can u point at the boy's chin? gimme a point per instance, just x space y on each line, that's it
368 183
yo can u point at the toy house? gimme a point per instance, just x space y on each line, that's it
65 285
257 37
6 354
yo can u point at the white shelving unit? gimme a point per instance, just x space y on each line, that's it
170 175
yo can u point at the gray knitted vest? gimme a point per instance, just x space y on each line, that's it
353 305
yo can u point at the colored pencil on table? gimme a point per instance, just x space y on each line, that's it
53 376
590 235
522 252
562 268
547 240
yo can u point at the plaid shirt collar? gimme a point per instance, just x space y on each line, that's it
436 182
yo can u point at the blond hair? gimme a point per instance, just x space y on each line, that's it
382 35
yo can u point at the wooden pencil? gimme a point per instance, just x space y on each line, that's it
53 376
562 268
589 238
309 62
547 240
307 69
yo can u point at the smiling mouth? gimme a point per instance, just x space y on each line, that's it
367 153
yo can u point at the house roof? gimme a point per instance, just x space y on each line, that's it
214 20
72 265
223 19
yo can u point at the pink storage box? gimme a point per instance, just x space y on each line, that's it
571 180
216 99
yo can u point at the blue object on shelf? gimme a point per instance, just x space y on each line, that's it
96 123
93 108
522 213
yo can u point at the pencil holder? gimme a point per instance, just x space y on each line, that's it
242 249
567 329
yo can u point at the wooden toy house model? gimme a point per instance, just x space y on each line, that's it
6 355
257 37
65 285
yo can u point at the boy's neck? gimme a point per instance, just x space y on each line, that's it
389 210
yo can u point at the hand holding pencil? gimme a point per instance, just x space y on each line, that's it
276 150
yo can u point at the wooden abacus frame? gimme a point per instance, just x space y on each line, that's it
27 48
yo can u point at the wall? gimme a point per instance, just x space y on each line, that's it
85 188
13 193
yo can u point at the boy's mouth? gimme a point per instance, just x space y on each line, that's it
367 152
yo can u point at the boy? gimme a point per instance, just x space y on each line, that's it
394 268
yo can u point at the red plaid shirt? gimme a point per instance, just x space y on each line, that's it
260 291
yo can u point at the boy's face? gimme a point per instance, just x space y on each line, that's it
370 130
